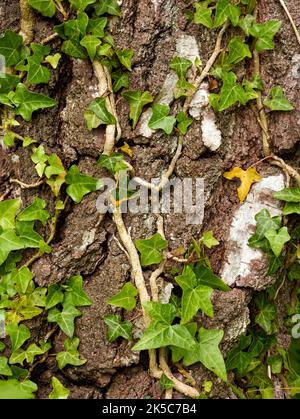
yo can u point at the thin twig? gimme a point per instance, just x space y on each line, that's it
49 38
291 20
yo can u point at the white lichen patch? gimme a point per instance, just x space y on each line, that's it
187 47
88 238
239 260
200 101
156 4
295 70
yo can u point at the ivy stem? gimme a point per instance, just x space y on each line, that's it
209 64
61 9
291 20
27 22
27 185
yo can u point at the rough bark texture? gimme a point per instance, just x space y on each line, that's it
154 30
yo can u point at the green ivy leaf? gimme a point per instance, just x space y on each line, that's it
137 100
160 119
267 314
278 239
90 43
37 73
117 328
287 194
35 211
238 50
150 249
53 60
108 6
81 5
14 389
291 208
18 334
206 277
203 15
59 391
92 121
75 294
80 185
225 10
239 359
71 355
27 102
120 80
125 57
74 49
22 279
113 163
125 298
208 353
8 211
277 101
209 240
45 7
180 66
4 367
55 296
97 26
65 319
246 24
30 238
98 106
183 122
194 296
165 383
231 92
264 223
10 48
265 32
9 242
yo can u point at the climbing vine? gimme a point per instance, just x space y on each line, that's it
171 329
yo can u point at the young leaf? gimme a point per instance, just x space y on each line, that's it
230 94
22 279
209 240
65 319
90 43
59 391
208 353
183 122
125 57
27 102
125 298
8 210
18 334
113 163
277 101
97 26
247 178
45 7
264 223
278 239
35 211
225 10
161 120
80 185
137 100
75 294
150 249
194 296
117 328
71 355
120 80
180 66
98 106
203 15
74 49
81 5
291 208
265 32
14 389
10 47
238 50
53 60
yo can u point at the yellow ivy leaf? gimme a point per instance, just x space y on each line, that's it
127 150
247 178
